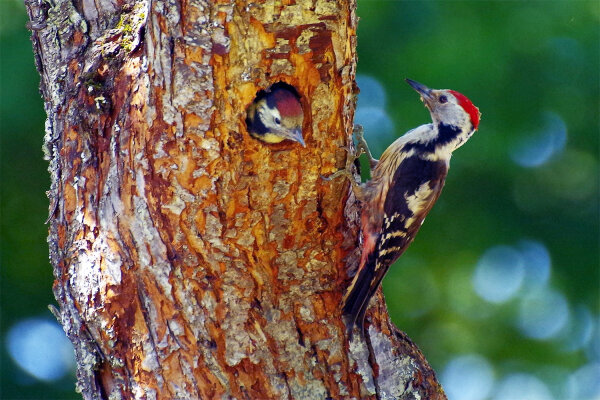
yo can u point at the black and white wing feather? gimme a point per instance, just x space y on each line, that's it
416 186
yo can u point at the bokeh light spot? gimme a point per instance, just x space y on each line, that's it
378 126
584 384
542 314
371 114
468 377
580 330
536 260
372 93
537 148
592 349
522 386
499 274
41 348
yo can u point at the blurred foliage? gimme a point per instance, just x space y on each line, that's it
518 61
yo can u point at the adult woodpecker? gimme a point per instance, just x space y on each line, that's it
405 184
276 115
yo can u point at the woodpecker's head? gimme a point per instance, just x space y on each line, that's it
276 115
449 107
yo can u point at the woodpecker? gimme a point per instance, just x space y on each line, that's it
405 184
276 115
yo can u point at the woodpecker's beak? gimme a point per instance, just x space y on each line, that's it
297 136
423 90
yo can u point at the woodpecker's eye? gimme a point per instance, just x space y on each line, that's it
277 121
443 99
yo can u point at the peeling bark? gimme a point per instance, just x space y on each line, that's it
191 260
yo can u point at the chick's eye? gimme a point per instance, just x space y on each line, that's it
443 99
277 121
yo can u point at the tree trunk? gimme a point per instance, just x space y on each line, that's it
191 260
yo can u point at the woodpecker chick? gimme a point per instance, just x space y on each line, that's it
405 184
276 115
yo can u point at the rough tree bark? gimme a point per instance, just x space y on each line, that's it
191 260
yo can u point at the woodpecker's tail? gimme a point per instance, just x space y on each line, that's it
359 294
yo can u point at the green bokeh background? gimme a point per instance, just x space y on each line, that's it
517 61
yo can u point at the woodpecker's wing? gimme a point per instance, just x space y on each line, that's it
415 187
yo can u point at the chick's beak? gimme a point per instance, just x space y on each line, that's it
297 136
423 90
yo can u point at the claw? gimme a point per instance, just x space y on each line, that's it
337 174
353 155
330 177
362 146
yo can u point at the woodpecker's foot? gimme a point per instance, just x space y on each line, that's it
342 172
353 155
347 170
356 186
361 145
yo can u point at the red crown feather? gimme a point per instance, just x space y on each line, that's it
468 106
287 103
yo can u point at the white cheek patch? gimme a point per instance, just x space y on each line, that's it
268 115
